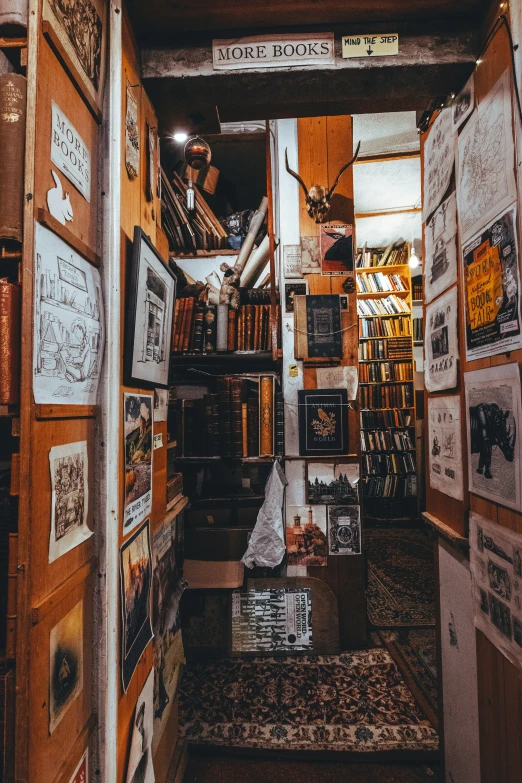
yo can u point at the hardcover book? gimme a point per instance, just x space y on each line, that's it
323 422
323 324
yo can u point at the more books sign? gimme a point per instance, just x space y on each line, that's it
273 51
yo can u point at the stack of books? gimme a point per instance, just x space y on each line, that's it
377 282
380 350
390 487
399 395
385 327
418 329
378 420
380 372
187 233
385 464
390 305
386 440
393 255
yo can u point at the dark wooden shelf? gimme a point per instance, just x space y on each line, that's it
384 336
381 383
233 357
195 460
369 361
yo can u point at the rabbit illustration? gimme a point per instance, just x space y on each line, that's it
58 203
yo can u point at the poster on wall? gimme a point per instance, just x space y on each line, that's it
135 581
323 422
339 378
291 261
337 250
333 485
69 152
306 541
493 420
441 341
441 249
463 104
81 773
344 530
137 410
161 404
69 498
486 159
496 570
68 324
272 620
293 289
439 156
65 664
445 446
492 289
310 256
132 134
80 26
140 768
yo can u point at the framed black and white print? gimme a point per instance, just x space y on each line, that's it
323 422
148 330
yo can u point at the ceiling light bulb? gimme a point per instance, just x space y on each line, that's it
180 136
414 261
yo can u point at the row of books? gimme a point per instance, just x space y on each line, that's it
379 420
384 464
385 440
393 255
418 329
187 232
377 282
417 290
384 327
399 348
377 372
390 486
399 395
390 305
242 418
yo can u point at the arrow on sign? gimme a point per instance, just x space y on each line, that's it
370 51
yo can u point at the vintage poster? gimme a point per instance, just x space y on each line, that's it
310 255
441 342
486 159
492 290
306 543
344 530
69 153
439 156
140 768
337 249
493 404
333 484
137 410
69 498
167 589
291 261
135 581
463 104
323 422
445 446
496 571
339 378
441 249
293 289
272 620
81 773
65 664
150 182
132 135
68 324
161 404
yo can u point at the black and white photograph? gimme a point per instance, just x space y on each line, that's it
344 530
65 664
441 342
439 156
140 768
148 324
291 261
463 104
136 582
69 498
310 255
441 249
493 427
333 484
445 446
293 289
138 417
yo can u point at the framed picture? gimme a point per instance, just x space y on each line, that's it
306 538
135 582
149 317
344 530
293 289
337 252
323 422
332 484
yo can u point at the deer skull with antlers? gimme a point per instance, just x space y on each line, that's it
317 197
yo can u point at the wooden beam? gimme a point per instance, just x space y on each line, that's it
386 156
405 211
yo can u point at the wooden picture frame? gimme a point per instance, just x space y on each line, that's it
151 298
323 422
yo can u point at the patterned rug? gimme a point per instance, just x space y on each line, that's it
401 587
350 702
414 652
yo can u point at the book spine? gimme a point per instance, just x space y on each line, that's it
215 431
240 330
13 89
279 425
236 397
9 343
266 416
196 344
208 440
253 427
249 327
178 335
12 574
255 344
244 427
209 328
187 325
177 308
232 330
222 327
225 421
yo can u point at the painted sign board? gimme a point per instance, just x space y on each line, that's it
373 45
69 152
273 51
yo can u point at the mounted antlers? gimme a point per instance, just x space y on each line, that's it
317 197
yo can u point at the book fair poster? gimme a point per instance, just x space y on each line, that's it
445 446
441 342
492 289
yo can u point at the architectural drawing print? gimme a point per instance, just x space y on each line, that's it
69 498
438 161
440 367
68 318
441 249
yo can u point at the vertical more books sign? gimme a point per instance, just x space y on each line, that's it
69 152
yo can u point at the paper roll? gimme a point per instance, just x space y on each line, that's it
222 328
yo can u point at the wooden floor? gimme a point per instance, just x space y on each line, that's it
222 769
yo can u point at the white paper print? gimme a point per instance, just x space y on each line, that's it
161 404
332 484
344 530
68 324
58 203
69 153
132 139
339 378
493 401
292 261
485 171
441 342
69 498
439 155
463 104
445 446
310 255
441 249
138 458
140 769
270 620
496 570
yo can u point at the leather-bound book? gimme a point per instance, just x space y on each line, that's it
192 428
323 323
225 416
196 341
214 398
300 337
174 320
257 313
187 324
244 427
11 615
208 440
13 90
9 342
240 330
279 425
14 489
253 426
178 324
249 327
236 400
266 416
232 330
209 328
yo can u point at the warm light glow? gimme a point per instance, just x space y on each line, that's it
414 261
478 62
180 136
